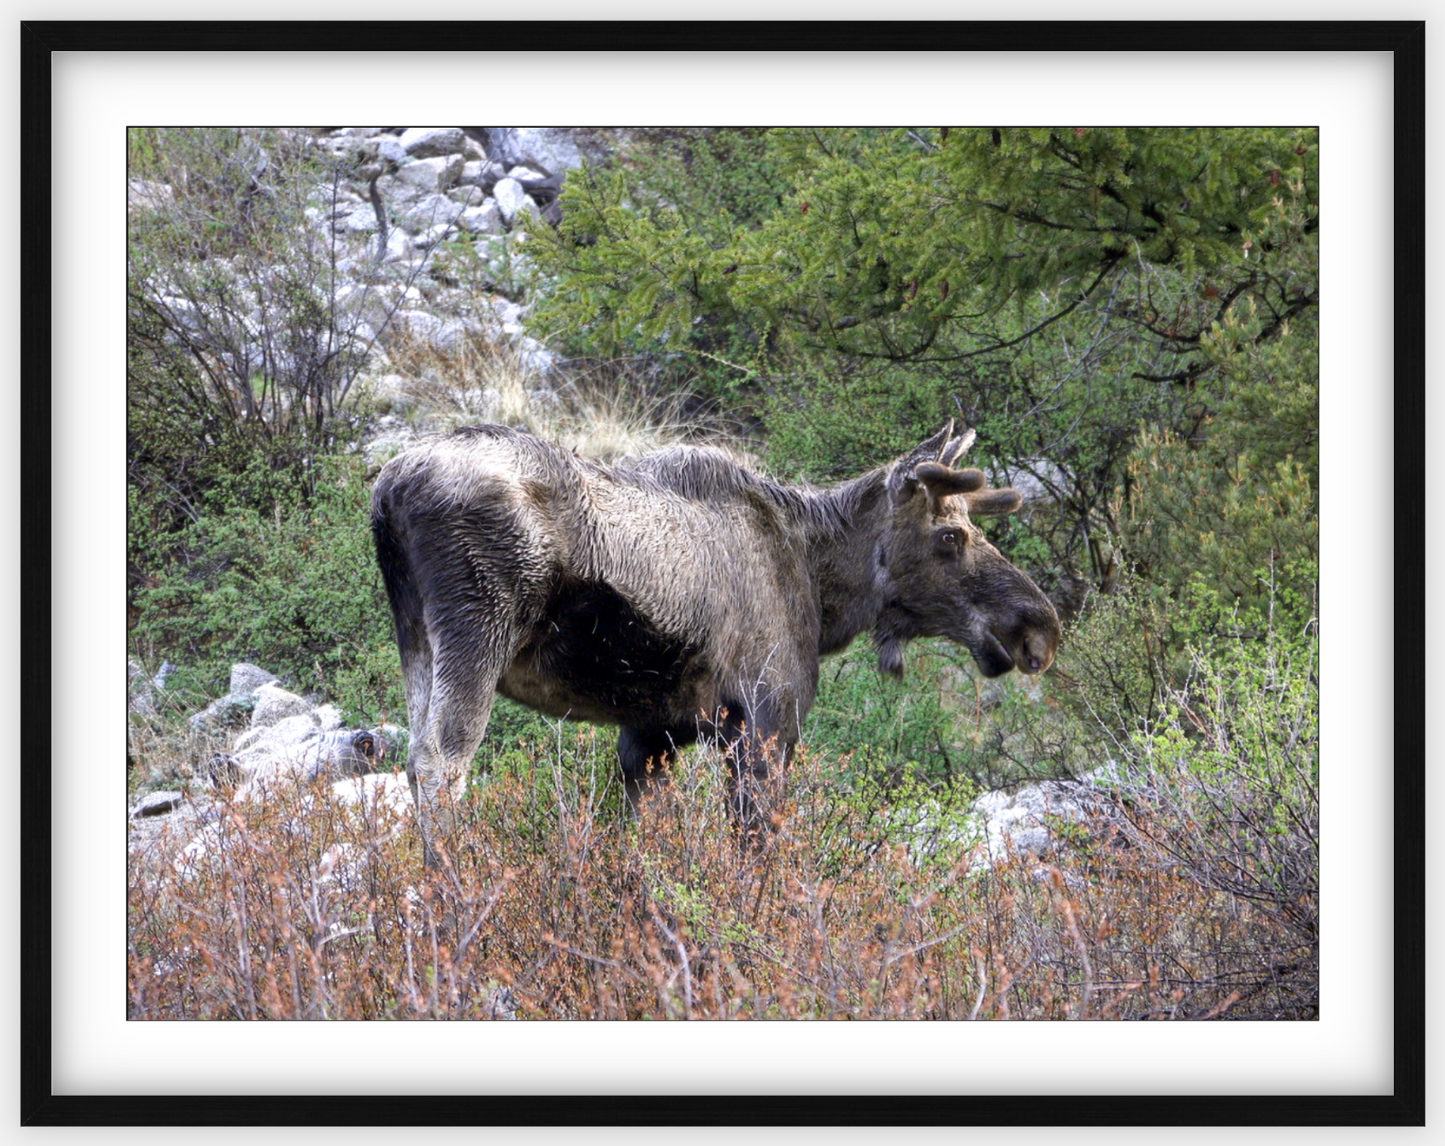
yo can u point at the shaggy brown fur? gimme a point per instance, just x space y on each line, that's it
678 596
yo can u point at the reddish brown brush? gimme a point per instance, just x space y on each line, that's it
555 903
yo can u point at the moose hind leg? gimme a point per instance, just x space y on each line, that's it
441 754
643 754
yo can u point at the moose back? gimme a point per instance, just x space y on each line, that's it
681 595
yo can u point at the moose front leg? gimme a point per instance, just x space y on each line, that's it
757 756
643 754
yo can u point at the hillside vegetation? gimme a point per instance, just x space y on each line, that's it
1130 320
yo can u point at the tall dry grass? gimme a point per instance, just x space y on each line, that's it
602 411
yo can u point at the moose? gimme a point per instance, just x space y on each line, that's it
681 595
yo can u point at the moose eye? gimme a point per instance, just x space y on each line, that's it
947 542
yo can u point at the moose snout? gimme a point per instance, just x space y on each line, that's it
1036 654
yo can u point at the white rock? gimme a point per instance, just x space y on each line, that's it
399 247
422 142
274 703
294 730
512 200
207 842
1018 821
507 311
467 195
376 790
389 148
534 356
432 174
246 679
418 325
361 221
551 147
427 211
483 220
148 196
438 234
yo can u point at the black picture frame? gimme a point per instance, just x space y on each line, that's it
39 1106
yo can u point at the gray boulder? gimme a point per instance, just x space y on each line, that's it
424 142
1024 820
148 196
431 174
483 220
549 149
1027 819
390 150
246 679
237 706
359 221
274 704
427 211
467 195
288 730
512 201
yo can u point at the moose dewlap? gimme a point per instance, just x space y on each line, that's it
682 595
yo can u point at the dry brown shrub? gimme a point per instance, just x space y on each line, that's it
553 903
603 411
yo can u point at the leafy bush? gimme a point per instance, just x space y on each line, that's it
234 288
884 725
294 587
1229 769
697 187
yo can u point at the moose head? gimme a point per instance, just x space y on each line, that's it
939 576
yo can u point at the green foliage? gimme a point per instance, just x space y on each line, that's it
1194 513
832 425
1235 502
887 727
672 203
890 245
1234 756
293 586
1058 289
485 265
517 738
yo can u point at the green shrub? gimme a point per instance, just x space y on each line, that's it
1229 769
885 727
293 587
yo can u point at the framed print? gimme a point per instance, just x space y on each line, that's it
1360 85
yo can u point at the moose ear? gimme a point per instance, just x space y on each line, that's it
901 483
993 502
932 447
956 448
